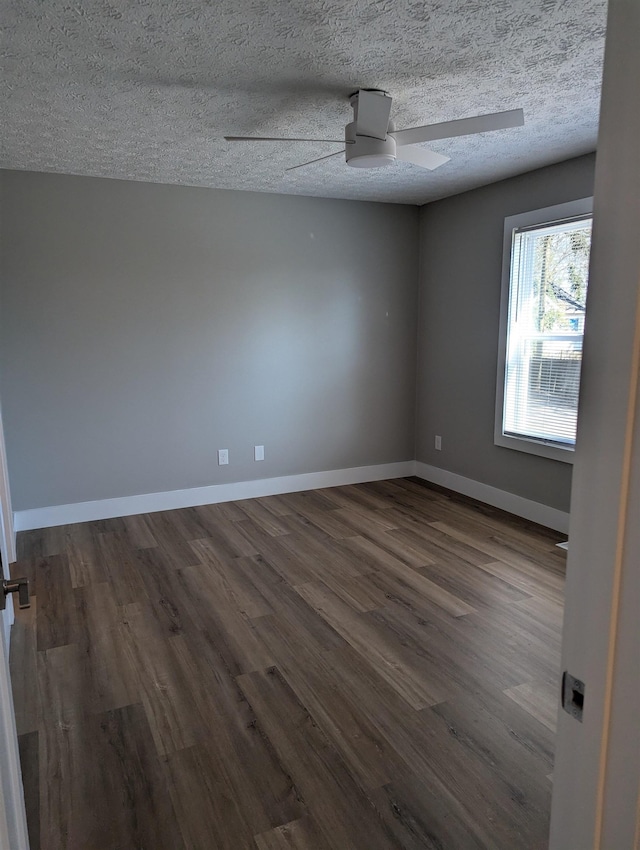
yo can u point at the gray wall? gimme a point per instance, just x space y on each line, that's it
144 326
459 313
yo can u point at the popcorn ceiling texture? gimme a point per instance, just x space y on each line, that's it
146 90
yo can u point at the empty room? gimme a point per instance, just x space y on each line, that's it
319 432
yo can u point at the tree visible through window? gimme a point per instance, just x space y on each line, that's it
549 273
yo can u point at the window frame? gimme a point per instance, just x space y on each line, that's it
533 218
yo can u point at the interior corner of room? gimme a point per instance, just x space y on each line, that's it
145 327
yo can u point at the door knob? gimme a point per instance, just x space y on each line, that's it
19 586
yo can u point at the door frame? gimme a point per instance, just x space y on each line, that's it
7 531
7 534
13 821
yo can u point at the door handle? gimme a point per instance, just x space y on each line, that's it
19 586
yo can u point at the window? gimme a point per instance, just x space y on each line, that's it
544 289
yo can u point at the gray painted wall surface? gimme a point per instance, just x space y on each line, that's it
144 326
460 279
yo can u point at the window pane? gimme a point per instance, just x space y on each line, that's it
545 378
549 276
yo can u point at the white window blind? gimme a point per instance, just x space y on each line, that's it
547 294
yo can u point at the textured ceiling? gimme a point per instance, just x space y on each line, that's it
146 90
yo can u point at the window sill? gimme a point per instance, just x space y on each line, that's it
533 447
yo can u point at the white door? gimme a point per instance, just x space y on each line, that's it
13 824
596 784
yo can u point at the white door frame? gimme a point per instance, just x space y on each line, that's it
13 822
7 532
597 771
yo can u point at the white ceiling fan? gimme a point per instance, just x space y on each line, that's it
371 140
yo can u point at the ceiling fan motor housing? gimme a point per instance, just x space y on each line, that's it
366 152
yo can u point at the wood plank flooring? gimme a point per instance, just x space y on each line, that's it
370 667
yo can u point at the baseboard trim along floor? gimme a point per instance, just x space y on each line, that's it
525 508
151 502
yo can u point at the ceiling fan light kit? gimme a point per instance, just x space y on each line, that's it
367 152
371 140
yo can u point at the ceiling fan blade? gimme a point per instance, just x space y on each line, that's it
421 157
276 139
311 161
374 109
461 127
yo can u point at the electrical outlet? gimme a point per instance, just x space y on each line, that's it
223 457
438 442
258 452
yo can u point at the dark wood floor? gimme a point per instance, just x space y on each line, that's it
359 668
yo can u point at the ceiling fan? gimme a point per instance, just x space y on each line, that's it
372 141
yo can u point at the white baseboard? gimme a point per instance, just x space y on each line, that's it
534 511
151 502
